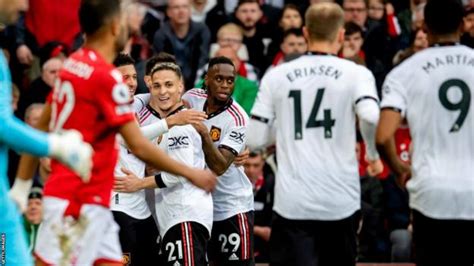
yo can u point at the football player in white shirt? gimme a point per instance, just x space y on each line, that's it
184 211
314 101
433 90
223 137
138 232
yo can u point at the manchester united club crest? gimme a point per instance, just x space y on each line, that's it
215 133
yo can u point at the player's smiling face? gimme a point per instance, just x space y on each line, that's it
129 77
220 82
166 89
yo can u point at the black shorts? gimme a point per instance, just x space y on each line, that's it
313 242
442 242
232 240
184 244
138 239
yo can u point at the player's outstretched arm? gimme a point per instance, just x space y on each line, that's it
144 150
388 124
67 147
28 165
159 128
218 160
131 183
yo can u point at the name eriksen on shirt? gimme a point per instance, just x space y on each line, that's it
321 70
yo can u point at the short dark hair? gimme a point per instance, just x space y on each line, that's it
298 32
255 153
241 2
123 60
220 60
35 193
93 14
443 16
162 57
352 28
291 7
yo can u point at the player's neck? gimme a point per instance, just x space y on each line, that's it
324 47
443 39
103 47
213 106
165 113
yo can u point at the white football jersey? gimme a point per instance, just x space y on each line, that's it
434 91
313 99
133 204
233 193
180 201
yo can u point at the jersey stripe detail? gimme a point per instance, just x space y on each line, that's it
232 111
366 97
185 250
159 181
236 109
242 248
142 111
145 117
259 118
246 243
392 108
248 234
229 149
234 116
190 229
204 96
188 245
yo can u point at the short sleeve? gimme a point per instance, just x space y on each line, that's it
193 97
365 87
140 101
113 98
263 108
393 96
234 140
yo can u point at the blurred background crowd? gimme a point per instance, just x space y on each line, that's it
256 35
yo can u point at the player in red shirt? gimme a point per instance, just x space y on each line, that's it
90 96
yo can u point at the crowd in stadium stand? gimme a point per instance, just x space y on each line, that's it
257 35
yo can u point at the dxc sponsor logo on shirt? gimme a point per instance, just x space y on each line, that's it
237 137
178 142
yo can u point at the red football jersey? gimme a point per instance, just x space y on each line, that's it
91 98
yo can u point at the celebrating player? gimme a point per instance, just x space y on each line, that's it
184 211
223 138
91 97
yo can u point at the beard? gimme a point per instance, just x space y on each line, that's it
247 25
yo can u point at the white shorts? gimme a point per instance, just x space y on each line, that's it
90 240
